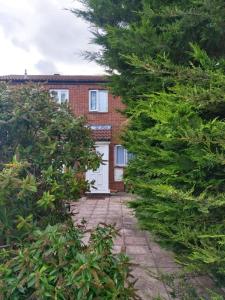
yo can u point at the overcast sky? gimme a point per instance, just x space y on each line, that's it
44 38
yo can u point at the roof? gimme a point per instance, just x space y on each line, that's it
101 132
54 79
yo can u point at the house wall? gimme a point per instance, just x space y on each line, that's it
79 103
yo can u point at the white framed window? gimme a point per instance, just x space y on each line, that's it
98 100
61 96
122 156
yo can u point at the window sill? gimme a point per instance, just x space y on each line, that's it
120 166
98 112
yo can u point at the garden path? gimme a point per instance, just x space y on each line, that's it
150 260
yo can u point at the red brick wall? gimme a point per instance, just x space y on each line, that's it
79 102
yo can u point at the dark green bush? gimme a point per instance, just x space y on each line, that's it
44 149
38 129
18 190
179 143
25 204
174 92
55 264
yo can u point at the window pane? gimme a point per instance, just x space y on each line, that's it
55 95
120 157
93 100
103 101
61 96
64 96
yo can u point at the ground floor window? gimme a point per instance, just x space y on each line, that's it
122 156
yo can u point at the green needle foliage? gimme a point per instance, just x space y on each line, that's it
166 61
178 140
147 28
55 264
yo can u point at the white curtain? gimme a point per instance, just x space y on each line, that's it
103 101
93 100
120 157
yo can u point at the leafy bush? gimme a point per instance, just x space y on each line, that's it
38 129
24 204
43 150
18 190
55 264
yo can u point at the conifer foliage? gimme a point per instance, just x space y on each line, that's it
166 61
178 140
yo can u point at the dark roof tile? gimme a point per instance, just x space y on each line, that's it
54 78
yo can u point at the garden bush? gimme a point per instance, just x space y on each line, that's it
43 150
178 138
55 264
18 189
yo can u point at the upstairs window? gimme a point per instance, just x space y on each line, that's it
122 156
61 96
98 100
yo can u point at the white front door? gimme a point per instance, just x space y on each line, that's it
101 175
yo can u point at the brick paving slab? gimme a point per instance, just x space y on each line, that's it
149 260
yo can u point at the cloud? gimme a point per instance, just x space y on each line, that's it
57 36
9 24
46 67
20 44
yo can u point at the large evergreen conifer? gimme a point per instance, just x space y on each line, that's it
166 61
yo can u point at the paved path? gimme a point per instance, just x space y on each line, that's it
150 260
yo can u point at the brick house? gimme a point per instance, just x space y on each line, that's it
88 96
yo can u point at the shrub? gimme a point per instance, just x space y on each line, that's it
179 166
27 202
55 264
43 150
174 93
18 190
38 129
